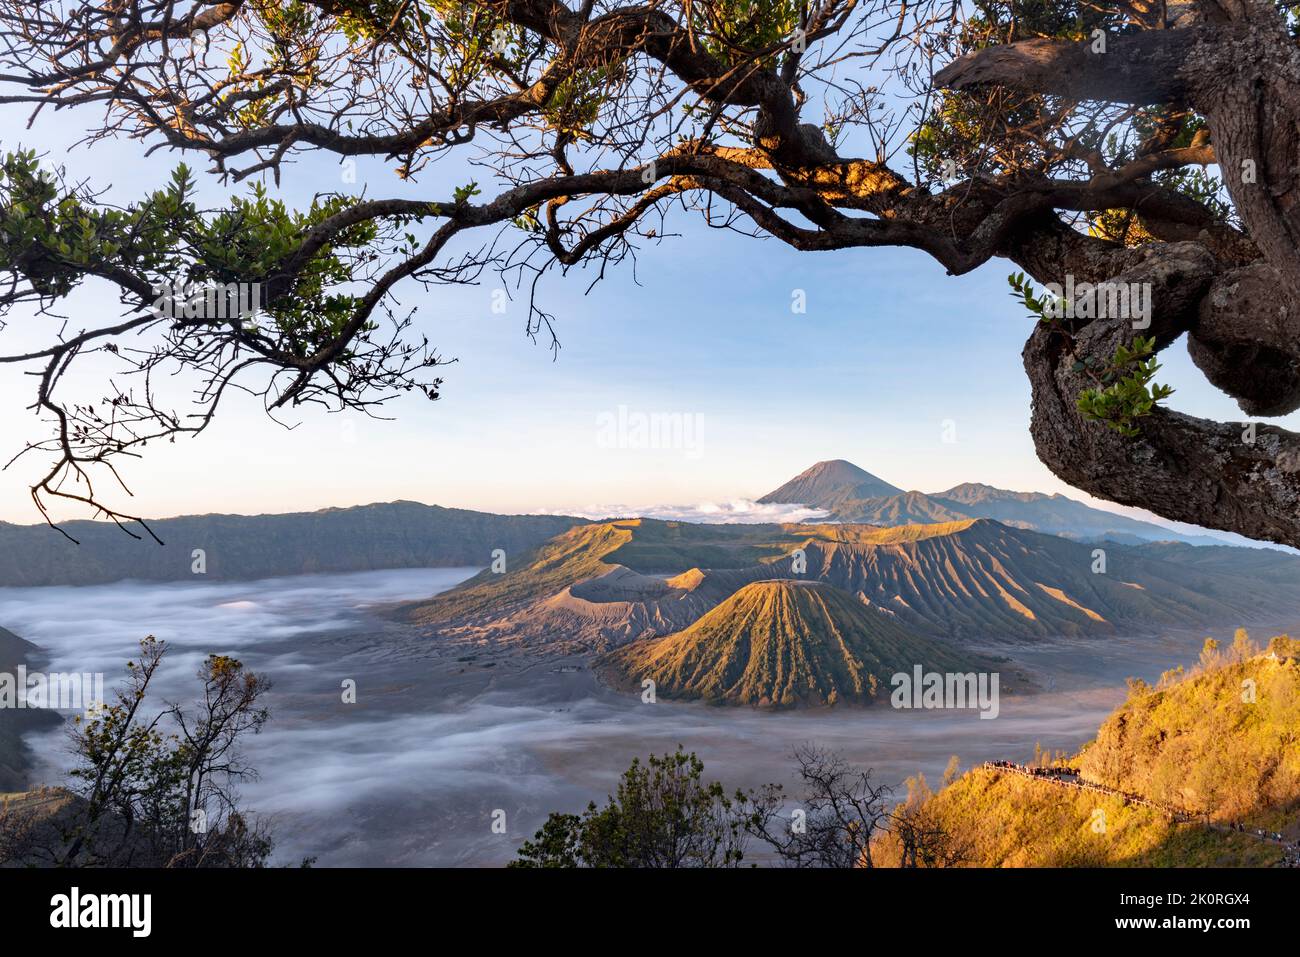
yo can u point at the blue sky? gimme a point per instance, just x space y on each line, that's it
889 354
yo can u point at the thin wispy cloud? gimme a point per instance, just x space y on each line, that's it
738 511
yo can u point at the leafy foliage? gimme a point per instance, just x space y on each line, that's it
735 30
665 816
662 815
55 237
1125 391
161 791
773 117
1040 307
151 790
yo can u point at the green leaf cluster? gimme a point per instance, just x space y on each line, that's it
662 815
1023 291
1125 391
53 237
733 30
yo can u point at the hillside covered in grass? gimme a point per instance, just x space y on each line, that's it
245 547
1005 820
783 643
973 579
1221 739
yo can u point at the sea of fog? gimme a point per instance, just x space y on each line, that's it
435 746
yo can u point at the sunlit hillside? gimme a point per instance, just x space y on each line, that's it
783 643
1223 739
1202 769
974 579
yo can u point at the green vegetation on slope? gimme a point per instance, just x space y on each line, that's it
894 535
1006 820
589 551
244 547
979 579
971 579
781 643
571 557
670 547
1222 740
1219 740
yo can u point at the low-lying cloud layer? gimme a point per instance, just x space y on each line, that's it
412 773
735 512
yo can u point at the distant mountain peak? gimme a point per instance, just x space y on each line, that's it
827 484
970 493
852 495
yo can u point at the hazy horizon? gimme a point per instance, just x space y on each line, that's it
723 510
